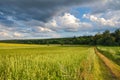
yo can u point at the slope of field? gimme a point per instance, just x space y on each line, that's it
54 62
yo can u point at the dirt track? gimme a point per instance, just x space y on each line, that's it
113 68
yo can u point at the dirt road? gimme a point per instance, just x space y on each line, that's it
113 68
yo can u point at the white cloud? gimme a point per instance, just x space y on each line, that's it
16 34
67 22
4 34
101 21
9 33
43 29
52 23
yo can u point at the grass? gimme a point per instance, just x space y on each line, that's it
54 62
113 53
112 66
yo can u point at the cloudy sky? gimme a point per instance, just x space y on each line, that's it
24 19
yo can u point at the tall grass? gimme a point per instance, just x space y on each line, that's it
113 53
41 62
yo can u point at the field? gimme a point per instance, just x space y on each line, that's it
56 62
113 53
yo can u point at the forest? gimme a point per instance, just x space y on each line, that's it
106 38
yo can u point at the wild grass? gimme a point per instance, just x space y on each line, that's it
42 62
113 53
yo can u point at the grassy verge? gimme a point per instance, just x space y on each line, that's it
112 67
111 52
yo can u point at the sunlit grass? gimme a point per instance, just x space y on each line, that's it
54 62
113 53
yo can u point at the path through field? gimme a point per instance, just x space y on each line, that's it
113 68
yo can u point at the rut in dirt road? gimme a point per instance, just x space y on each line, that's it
112 67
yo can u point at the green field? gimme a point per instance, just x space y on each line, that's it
53 62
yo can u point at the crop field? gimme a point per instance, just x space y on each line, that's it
55 62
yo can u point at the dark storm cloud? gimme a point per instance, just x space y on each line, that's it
108 5
41 10
114 4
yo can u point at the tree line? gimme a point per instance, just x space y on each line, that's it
106 38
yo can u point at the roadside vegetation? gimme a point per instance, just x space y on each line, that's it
113 53
111 58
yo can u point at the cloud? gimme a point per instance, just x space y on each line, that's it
26 32
9 33
67 23
105 14
4 34
54 18
105 6
42 29
41 10
101 21
52 28
17 34
113 4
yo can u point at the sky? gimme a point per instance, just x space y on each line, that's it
38 19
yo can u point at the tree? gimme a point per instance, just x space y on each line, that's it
117 36
97 39
47 43
107 39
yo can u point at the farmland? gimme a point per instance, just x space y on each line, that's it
55 62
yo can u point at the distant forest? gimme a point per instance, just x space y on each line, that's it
106 38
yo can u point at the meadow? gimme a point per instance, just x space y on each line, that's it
53 62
